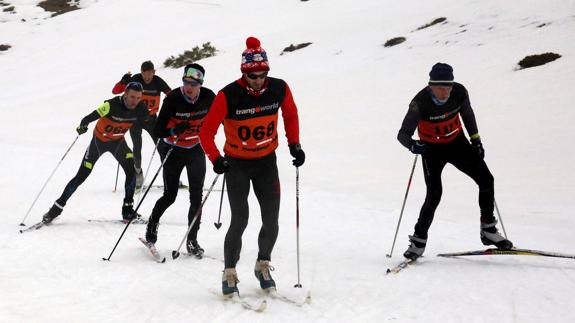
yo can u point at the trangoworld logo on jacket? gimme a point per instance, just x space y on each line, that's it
273 106
191 114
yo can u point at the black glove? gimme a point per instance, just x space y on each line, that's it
179 128
478 147
297 153
418 147
126 78
81 129
221 165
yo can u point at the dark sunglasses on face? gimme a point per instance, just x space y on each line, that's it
253 76
191 82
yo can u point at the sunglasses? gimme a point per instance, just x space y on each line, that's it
253 76
191 82
135 86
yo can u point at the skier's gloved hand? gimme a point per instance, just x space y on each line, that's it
221 165
81 129
478 147
297 153
179 128
418 147
126 78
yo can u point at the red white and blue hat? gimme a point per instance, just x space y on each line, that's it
254 58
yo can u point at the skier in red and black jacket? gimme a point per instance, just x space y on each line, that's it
248 109
115 117
436 112
153 88
178 124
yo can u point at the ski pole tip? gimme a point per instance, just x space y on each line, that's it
106 259
175 254
297 286
22 224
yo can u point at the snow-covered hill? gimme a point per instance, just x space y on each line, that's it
352 94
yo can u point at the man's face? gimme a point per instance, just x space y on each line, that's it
191 87
256 80
132 98
148 76
441 92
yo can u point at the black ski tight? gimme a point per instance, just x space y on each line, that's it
136 135
263 174
97 148
460 154
194 161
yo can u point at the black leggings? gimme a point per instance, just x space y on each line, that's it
263 174
194 161
460 154
136 135
97 148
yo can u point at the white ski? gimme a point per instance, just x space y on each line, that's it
152 248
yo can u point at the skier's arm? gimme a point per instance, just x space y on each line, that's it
161 128
214 118
408 125
290 117
468 117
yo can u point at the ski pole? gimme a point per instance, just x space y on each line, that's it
46 183
219 224
176 253
148 169
140 203
117 172
500 220
403 206
298 285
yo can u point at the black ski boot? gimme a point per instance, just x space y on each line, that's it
53 213
416 248
128 212
194 248
262 272
229 282
152 231
490 236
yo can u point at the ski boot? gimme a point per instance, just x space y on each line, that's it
152 231
262 272
128 213
139 178
229 282
53 213
416 248
194 248
490 236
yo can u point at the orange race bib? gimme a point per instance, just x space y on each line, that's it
108 130
152 102
251 138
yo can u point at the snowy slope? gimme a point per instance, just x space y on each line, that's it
352 94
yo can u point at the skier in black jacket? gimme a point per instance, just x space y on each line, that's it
154 86
436 112
115 117
179 122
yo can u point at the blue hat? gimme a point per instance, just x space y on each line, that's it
441 74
